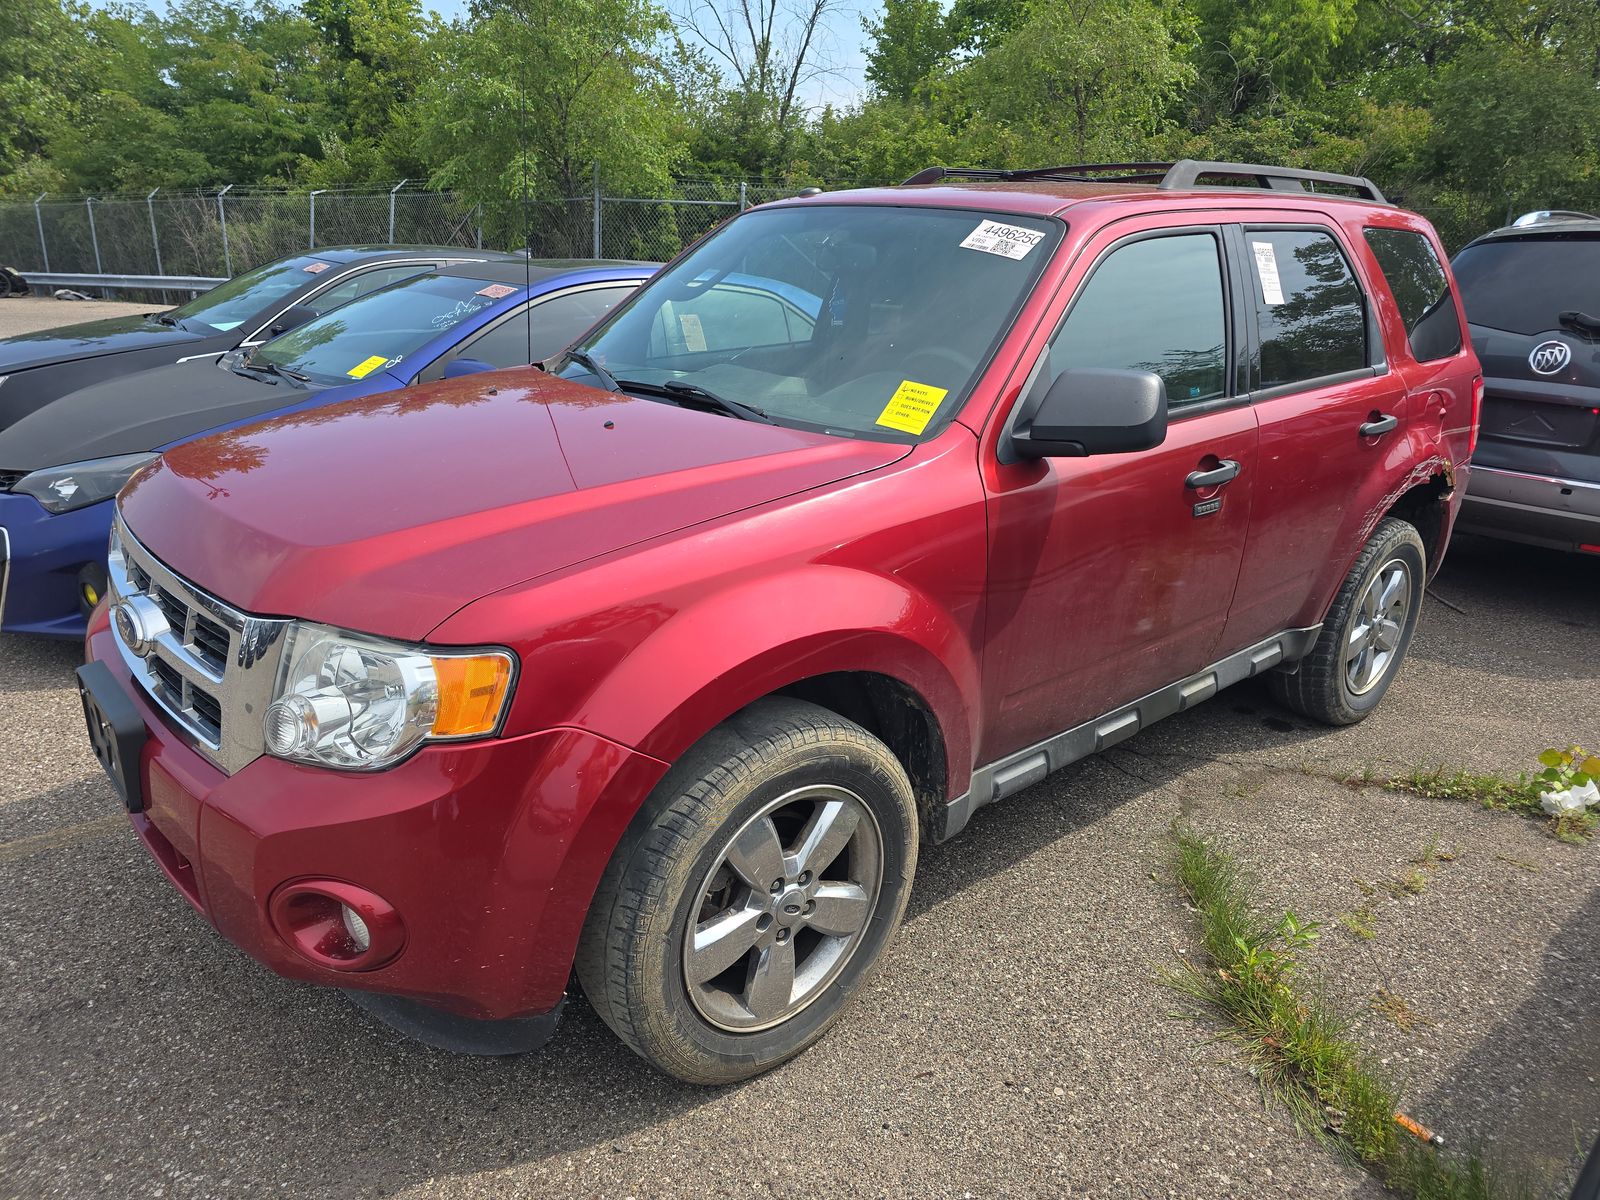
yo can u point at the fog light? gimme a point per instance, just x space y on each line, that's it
337 925
360 935
89 594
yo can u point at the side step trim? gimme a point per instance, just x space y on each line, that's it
1026 767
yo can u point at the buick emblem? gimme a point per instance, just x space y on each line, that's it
1550 357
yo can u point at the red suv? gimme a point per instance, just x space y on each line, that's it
873 508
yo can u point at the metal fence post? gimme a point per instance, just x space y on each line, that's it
743 202
38 220
478 238
392 191
597 210
222 217
94 238
312 244
155 238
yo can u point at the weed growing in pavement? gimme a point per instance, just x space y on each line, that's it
1359 923
1299 1044
1569 773
1395 1008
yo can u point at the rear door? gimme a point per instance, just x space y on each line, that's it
1332 418
1110 576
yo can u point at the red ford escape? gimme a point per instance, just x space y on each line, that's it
874 508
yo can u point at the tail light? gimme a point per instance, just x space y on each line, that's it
1477 414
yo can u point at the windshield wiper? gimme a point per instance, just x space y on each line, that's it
162 318
692 394
1580 321
587 361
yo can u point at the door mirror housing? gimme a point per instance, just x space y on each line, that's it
1094 410
457 367
292 317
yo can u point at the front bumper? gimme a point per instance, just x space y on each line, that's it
1563 514
48 552
489 851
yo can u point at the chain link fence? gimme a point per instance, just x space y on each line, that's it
232 229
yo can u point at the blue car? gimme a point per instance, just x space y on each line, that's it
61 466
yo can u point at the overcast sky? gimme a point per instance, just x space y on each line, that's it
841 46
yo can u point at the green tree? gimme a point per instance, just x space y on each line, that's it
44 64
912 41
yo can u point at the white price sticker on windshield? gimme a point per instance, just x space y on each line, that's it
1008 241
1267 269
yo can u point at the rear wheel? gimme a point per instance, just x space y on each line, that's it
1366 633
753 894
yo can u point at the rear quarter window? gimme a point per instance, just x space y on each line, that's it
1421 290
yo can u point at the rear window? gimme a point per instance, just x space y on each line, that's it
1421 289
1521 285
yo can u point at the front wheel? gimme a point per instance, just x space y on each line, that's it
753 894
1366 633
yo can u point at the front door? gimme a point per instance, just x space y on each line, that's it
1111 575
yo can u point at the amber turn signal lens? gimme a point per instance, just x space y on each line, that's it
471 693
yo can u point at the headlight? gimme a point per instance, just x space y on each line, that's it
78 485
360 703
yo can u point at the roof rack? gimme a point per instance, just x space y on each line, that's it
1169 176
1544 216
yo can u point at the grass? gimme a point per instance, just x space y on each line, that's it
1519 795
1397 1010
1254 982
1359 922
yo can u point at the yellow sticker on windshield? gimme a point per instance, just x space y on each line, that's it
366 367
912 406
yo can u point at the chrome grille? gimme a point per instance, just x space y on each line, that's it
212 669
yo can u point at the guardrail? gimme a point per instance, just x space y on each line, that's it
155 283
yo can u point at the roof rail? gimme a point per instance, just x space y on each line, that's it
1138 172
1187 174
1545 215
1171 176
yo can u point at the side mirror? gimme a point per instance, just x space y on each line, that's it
1095 410
457 367
291 317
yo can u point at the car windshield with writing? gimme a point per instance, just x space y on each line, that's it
859 320
379 330
230 304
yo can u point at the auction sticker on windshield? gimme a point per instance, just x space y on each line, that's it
366 366
495 291
912 406
1009 241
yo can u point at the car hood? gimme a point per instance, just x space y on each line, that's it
388 513
139 412
110 336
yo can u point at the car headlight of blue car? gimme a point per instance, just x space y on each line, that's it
80 484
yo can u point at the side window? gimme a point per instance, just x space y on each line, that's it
1310 312
1421 289
561 320
1152 305
360 285
728 316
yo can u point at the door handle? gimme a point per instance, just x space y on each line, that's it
1216 477
1382 425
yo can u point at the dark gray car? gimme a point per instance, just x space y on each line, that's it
1532 294
37 368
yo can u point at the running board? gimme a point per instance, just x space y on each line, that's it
1027 767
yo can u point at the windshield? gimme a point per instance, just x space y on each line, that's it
380 329
861 320
243 297
1522 285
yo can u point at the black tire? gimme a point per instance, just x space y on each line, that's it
633 957
1322 688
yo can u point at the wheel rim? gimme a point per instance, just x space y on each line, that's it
784 908
1374 641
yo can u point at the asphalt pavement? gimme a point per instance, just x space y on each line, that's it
1020 1039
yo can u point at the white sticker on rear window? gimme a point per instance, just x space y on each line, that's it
1008 241
1267 269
